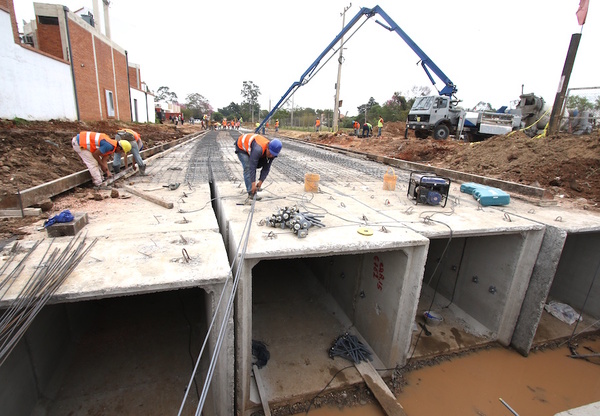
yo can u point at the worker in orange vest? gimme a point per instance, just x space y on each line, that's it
256 151
317 124
277 125
95 149
356 127
135 140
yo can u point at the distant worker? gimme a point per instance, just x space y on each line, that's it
135 140
95 149
256 151
276 125
356 127
370 126
365 129
317 125
379 126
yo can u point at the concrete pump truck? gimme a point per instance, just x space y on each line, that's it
438 116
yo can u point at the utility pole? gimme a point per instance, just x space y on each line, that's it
559 100
336 108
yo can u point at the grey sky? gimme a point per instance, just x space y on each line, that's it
488 49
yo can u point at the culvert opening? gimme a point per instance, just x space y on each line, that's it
110 356
467 286
575 289
301 305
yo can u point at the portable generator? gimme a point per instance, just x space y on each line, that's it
428 188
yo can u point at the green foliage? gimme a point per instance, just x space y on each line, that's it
164 94
232 111
250 92
581 103
216 116
197 105
19 121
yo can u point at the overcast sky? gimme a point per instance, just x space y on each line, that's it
488 49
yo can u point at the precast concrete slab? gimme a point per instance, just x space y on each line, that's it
468 239
566 271
141 250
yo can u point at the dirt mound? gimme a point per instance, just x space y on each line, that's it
566 165
38 152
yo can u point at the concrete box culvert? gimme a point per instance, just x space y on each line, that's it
119 355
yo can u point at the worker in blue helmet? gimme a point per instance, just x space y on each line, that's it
256 151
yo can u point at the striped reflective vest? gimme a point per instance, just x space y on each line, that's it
90 140
245 142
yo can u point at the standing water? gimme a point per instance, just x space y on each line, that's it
545 383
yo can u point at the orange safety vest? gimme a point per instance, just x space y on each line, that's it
277 123
135 135
245 142
91 141
318 122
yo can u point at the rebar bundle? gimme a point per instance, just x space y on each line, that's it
349 347
53 269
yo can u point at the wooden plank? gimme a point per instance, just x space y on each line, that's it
380 390
147 197
261 391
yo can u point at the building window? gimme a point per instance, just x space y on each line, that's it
135 110
48 20
110 103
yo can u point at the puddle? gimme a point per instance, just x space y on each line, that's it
545 383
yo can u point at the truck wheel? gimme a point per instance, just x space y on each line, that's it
421 134
441 132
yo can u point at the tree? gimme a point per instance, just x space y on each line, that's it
198 105
164 94
233 110
250 92
580 103
364 109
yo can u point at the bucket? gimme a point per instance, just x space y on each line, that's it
432 318
389 180
311 182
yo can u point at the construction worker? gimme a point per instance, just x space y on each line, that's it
365 130
379 126
135 140
317 124
95 149
276 125
370 126
356 127
256 151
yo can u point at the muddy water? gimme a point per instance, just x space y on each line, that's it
544 383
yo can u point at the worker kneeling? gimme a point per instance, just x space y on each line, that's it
256 151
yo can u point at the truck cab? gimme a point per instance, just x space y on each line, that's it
433 114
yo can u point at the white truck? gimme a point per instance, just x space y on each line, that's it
440 116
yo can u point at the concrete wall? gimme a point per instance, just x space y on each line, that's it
33 85
486 276
577 273
145 106
30 371
378 292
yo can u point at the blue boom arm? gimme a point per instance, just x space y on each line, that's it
426 62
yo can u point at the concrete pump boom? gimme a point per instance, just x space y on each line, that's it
428 65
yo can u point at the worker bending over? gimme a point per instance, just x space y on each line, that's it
135 140
95 150
256 151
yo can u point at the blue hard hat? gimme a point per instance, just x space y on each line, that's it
275 147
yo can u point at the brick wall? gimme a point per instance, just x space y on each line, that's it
85 73
121 71
93 77
49 38
133 78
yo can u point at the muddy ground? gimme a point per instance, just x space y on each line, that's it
566 166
